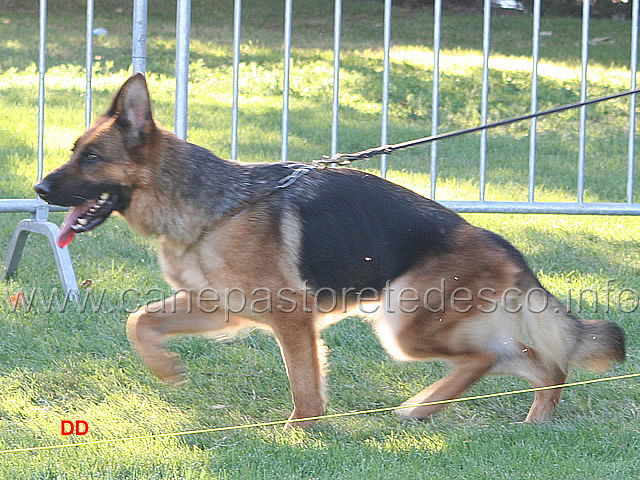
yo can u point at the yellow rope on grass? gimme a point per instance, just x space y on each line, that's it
319 417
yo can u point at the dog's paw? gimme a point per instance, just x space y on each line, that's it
177 380
409 412
404 413
168 369
302 424
298 420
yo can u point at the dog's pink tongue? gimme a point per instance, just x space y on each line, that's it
65 237
66 234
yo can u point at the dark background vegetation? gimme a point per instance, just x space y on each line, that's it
599 8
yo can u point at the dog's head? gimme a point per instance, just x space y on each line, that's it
107 164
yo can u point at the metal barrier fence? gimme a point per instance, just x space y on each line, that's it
38 222
39 219
481 205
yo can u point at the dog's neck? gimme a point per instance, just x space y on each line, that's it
204 189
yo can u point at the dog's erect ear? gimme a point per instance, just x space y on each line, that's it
131 107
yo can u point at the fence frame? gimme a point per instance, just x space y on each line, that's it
38 222
579 207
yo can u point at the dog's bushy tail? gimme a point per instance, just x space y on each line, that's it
600 344
558 336
562 338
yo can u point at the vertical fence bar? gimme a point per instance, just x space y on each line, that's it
486 46
337 30
42 67
435 93
632 101
583 96
237 19
284 150
88 64
139 44
533 131
183 34
384 135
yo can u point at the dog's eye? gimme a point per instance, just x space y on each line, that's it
91 158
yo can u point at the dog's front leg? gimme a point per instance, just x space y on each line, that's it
148 329
304 358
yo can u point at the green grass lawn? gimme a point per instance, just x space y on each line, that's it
77 364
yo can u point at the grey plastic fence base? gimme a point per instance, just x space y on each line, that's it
61 255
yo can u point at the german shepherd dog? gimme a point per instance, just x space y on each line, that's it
290 249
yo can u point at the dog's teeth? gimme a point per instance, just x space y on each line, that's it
104 196
82 221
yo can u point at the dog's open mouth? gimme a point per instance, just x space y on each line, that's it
87 216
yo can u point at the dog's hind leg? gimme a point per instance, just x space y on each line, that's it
545 401
149 328
467 370
304 357
531 368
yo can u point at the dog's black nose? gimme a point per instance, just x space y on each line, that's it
42 188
